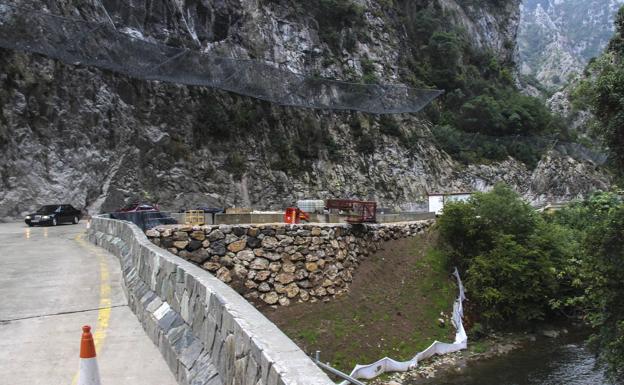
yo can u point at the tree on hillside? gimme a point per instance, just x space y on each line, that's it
606 290
508 255
603 92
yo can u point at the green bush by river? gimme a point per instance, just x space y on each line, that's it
522 267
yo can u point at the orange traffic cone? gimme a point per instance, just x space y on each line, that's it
89 373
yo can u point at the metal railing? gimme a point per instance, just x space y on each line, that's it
317 360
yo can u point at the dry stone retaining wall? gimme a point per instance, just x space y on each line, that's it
207 333
280 263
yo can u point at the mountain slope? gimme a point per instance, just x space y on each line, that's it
557 38
97 139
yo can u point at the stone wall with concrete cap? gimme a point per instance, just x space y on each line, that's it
207 333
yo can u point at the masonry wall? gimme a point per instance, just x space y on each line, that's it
207 333
277 264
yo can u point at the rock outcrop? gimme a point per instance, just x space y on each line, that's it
557 38
97 139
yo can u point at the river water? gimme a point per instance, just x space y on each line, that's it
565 360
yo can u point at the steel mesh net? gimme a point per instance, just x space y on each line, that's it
76 41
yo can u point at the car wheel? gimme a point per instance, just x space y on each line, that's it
53 221
75 221
30 225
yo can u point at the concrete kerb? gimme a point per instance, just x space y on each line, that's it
205 330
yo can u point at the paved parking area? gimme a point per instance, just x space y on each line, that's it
52 281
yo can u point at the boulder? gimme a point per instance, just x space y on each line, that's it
193 245
240 271
198 235
227 261
253 242
239 231
245 255
180 245
285 278
229 238
270 298
273 256
292 290
262 275
237 246
269 243
180 236
311 266
151 233
253 231
211 266
199 256
305 284
289 267
259 264
224 275
218 247
301 274
215 235
275 267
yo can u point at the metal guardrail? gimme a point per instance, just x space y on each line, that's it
317 360
145 219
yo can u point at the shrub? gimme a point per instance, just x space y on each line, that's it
235 164
508 255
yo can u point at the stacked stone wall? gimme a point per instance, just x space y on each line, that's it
277 264
207 333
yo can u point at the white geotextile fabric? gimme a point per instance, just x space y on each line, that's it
387 364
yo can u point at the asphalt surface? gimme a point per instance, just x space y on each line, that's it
52 281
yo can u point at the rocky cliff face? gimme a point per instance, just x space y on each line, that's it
97 139
557 38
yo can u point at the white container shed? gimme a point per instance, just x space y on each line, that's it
438 200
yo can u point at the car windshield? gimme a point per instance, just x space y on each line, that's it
47 209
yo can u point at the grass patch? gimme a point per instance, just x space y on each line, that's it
391 310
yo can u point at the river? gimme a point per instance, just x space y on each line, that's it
565 360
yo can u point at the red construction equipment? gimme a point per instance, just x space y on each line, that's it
295 215
357 211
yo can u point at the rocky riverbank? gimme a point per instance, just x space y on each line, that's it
494 345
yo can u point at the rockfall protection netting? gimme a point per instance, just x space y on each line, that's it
77 41
389 365
499 147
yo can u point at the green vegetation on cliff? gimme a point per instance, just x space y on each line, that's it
481 108
482 116
602 92
520 267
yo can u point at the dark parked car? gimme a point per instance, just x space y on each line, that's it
135 207
53 215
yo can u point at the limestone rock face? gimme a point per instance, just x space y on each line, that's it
97 139
556 39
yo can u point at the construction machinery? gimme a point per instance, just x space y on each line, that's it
356 211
